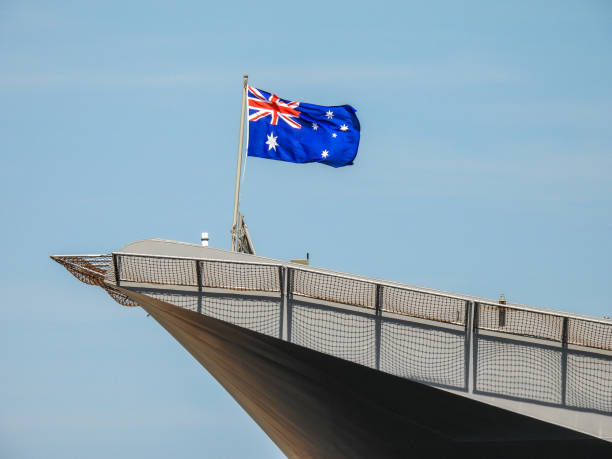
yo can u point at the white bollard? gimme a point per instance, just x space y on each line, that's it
205 239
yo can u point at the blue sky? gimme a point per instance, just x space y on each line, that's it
484 168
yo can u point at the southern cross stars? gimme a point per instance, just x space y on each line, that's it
334 135
325 154
315 126
344 127
329 114
272 143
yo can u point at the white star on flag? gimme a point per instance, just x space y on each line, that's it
344 127
315 126
325 154
329 114
334 135
272 143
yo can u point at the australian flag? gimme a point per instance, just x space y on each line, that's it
299 132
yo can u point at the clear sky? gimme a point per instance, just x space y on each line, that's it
484 168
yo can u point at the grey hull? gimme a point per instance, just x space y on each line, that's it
316 405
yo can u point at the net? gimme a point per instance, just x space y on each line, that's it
254 313
519 322
332 288
427 354
589 379
518 370
92 270
506 351
589 334
424 305
240 276
346 334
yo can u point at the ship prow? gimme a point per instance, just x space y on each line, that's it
337 365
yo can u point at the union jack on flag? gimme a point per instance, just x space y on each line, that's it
300 132
273 106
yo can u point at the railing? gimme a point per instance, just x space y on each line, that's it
443 339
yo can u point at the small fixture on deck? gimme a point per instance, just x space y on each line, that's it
302 261
502 311
205 239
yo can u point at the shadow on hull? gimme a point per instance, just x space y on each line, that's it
317 405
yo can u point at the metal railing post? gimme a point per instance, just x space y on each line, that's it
116 268
474 345
288 300
282 279
469 342
378 323
564 361
199 281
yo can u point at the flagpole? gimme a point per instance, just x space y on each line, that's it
245 79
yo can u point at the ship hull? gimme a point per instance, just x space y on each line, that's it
316 405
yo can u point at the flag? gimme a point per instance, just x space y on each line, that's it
298 132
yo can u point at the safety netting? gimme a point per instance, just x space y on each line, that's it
91 270
438 338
